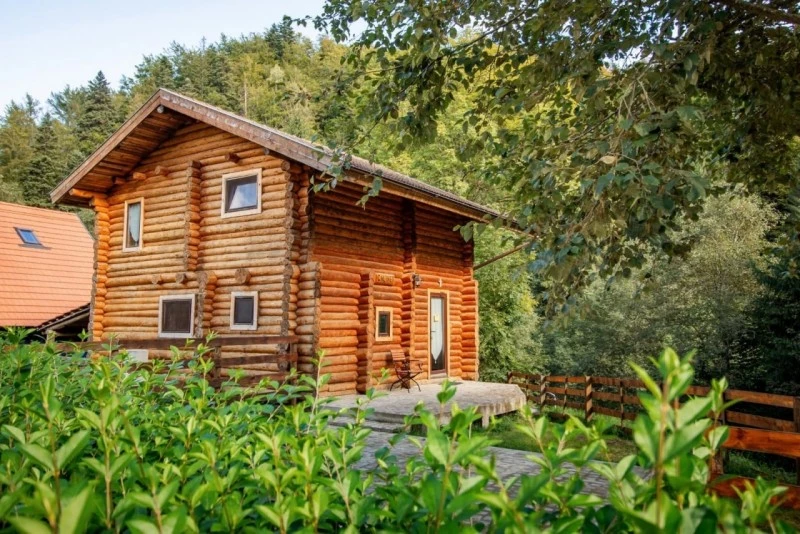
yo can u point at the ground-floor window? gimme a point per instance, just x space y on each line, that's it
244 310
176 316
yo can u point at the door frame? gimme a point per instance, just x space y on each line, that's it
445 295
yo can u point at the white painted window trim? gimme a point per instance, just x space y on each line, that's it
384 338
125 247
176 296
253 294
232 176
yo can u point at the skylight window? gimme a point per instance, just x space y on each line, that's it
28 237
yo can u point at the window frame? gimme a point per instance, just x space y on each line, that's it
384 338
176 296
254 295
234 176
125 247
38 242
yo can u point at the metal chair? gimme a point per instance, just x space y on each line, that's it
404 371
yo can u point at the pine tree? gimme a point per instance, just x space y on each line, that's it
17 134
46 168
99 118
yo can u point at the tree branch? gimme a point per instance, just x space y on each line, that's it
775 15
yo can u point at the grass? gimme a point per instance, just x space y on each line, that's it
504 429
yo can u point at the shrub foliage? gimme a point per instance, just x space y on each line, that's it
99 445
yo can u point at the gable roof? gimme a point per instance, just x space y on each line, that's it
165 112
39 283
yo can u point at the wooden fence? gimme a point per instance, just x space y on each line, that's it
619 398
281 362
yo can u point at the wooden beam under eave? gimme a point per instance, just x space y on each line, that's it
80 193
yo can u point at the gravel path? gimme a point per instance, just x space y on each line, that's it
510 463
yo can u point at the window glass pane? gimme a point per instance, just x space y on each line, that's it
384 322
241 193
176 316
132 239
28 237
243 308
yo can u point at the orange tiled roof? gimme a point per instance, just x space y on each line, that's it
39 283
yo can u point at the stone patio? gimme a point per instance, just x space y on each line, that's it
391 408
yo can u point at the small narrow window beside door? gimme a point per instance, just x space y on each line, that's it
244 310
383 324
241 193
176 316
132 227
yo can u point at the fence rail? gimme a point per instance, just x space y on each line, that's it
619 398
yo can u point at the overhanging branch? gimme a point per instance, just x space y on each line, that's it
771 13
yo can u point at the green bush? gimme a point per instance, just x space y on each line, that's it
99 445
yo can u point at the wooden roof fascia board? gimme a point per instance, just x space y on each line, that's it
298 151
98 155
287 145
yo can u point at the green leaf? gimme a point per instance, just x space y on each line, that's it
74 445
28 525
39 455
437 445
75 513
14 432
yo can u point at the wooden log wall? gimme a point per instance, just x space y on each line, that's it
188 247
368 258
320 264
442 264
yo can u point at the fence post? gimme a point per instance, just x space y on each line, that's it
587 397
542 390
796 413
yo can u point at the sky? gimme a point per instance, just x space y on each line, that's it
48 44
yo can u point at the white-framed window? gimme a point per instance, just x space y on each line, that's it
176 315
244 310
133 224
241 193
383 324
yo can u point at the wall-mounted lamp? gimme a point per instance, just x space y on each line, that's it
417 280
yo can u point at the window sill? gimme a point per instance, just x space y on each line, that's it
232 214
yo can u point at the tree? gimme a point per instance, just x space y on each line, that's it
702 301
46 168
17 133
99 118
609 122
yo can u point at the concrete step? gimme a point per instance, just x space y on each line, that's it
382 417
371 424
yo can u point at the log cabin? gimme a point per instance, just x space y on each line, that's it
207 221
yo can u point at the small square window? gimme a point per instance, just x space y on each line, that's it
241 193
383 324
176 317
28 237
244 310
132 227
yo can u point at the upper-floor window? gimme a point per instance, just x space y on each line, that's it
132 227
28 237
241 193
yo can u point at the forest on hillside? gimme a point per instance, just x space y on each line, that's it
727 296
